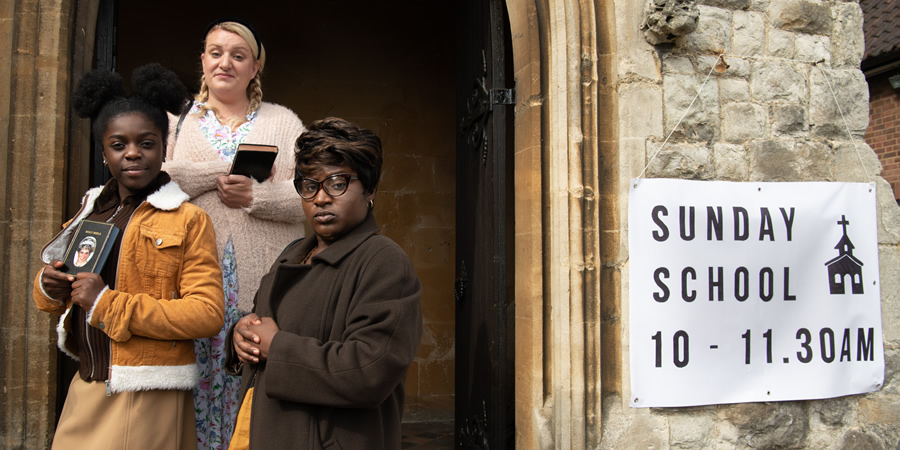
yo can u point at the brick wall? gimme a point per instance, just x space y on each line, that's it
883 134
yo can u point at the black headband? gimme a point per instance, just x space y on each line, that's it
221 20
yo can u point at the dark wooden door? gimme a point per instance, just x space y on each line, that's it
484 311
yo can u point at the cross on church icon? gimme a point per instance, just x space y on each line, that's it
844 265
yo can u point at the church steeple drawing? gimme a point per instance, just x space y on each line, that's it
845 265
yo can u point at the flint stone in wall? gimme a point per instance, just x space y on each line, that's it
834 412
730 162
813 48
781 43
668 19
743 121
789 120
769 425
734 90
683 161
847 38
749 33
851 91
861 440
806 16
733 5
778 81
702 120
713 33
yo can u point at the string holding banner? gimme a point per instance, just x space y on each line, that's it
719 63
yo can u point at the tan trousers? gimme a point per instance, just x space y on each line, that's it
128 420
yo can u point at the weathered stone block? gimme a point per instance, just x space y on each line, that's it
645 121
677 64
847 39
684 161
813 17
888 261
749 30
733 90
778 81
693 430
789 120
879 409
759 5
730 162
743 121
713 33
781 43
888 214
855 162
857 439
813 48
816 160
774 160
836 96
769 425
701 121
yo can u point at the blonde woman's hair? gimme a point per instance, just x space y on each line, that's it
254 89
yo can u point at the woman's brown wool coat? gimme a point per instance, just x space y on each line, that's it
351 323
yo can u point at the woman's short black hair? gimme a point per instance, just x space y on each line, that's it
100 95
336 142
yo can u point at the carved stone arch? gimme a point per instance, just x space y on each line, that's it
566 204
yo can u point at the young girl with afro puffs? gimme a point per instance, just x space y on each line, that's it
131 326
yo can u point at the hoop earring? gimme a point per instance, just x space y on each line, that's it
371 203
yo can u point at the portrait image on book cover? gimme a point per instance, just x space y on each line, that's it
85 251
89 247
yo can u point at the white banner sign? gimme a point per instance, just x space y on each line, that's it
750 292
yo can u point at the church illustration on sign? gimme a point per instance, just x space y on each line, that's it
845 265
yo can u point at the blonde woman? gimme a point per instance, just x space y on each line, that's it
253 220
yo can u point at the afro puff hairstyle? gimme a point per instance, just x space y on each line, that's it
100 96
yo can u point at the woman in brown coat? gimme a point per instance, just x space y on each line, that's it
337 319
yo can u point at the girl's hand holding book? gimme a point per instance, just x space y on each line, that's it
85 289
57 285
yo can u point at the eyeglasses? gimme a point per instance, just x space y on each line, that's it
334 185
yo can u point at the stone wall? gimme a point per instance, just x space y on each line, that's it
34 41
760 91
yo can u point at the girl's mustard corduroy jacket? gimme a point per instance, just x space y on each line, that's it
169 292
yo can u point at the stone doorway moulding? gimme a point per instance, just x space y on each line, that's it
563 64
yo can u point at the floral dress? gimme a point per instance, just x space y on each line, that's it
216 397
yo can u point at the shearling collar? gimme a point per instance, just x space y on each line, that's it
167 198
